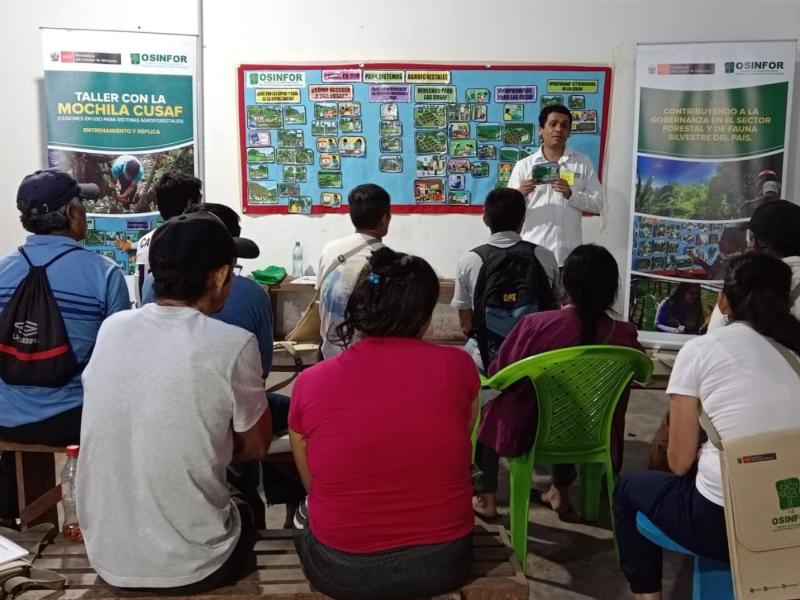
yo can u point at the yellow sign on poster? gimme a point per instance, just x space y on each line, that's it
572 86
277 96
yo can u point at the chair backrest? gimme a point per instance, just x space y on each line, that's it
577 391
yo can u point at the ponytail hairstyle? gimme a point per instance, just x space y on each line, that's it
591 279
758 288
394 296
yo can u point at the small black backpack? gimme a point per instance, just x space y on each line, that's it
34 346
511 284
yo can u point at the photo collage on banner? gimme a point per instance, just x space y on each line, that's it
438 138
120 113
710 146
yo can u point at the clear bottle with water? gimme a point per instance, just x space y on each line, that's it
71 528
297 260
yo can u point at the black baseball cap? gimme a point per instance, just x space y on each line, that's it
50 189
196 243
776 219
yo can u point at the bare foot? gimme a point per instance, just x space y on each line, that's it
558 499
485 505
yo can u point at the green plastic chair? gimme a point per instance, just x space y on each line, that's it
577 390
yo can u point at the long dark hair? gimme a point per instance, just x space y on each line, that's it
694 312
758 288
591 279
395 295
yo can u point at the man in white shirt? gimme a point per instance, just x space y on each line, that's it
554 209
342 260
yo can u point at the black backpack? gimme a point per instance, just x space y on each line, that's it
511 284
34 346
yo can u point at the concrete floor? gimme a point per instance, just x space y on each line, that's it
574 560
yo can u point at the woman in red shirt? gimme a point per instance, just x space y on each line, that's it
381 438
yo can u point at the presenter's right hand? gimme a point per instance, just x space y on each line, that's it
526 186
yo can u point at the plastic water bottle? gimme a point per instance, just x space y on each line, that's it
71 529
297 260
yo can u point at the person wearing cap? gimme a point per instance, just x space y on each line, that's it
127 171
155 508
87 287
774 228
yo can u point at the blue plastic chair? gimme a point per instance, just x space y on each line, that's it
711 579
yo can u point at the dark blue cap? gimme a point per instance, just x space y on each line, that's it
48 190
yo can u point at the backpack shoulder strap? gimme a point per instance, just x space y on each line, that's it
795 293
483 251
341 259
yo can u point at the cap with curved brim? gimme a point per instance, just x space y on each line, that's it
246 248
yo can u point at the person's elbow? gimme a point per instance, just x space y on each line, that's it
254 443
680 461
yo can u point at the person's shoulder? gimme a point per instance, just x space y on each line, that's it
524 162
247 287
545 255
103 263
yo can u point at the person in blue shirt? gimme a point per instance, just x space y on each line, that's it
127 171
87 288
682 311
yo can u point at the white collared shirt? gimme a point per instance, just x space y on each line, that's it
551 220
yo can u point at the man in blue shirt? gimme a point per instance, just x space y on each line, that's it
128 172
87 288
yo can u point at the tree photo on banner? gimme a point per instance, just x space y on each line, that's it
711 136
120 112
437 137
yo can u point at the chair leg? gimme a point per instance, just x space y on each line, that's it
611 484
520 474
590 490
712 580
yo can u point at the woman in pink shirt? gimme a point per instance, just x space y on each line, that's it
381 438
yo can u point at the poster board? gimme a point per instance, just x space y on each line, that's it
437 137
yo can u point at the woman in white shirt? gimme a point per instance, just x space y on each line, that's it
746 387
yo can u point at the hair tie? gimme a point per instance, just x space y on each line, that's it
374 278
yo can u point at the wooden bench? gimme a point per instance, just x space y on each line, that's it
496 574
37 492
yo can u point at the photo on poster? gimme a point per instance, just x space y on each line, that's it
504 172
487 151
458 197
288 189
480 95
390 128
459 165
391 144
259 138
261 155
513 112
576 102
518 133
458 112
509 154
304 156
286 156
478 112
430 116
584 121
330 199
294 174
463 148
390 164
551 101
389 111
431 165
330 162
706 190
290 138
350 124
257 171
429 190
326 144
258 193
264 117
326 110
352 146
300 205
324 127
479 168
294 115
349 109
458 131
329 179
670 306
488 132
430 142
456 181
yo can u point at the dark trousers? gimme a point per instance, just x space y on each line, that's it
62 429
413 572
674 505
487 461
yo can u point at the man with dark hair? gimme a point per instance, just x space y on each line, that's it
199 407
87 288
127 171
504 214
555 206
175 192
342 260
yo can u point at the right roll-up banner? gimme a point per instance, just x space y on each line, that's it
710 142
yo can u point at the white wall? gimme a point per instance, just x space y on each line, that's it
252 31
